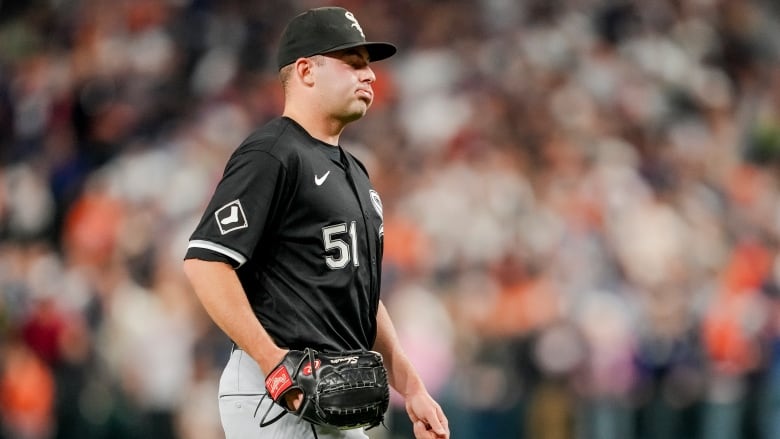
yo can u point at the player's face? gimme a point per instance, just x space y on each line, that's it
344 81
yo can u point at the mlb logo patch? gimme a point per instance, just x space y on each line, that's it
231 217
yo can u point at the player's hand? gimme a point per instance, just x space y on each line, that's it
293 399
427 417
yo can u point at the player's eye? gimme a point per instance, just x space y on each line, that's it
354 59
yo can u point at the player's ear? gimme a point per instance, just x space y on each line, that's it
304 70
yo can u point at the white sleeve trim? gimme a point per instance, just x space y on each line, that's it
221 249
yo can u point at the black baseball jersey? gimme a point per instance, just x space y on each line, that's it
302 225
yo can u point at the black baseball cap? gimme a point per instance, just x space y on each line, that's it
323 30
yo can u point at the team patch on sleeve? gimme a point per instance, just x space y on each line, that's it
231 217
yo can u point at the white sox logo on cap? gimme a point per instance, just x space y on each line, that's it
355 24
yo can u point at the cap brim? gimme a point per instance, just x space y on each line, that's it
377 51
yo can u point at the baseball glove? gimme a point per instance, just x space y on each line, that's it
340 389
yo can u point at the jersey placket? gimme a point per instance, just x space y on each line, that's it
372 251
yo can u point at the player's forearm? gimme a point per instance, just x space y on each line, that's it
219 290
401 373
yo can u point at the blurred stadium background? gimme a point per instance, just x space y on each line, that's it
582 210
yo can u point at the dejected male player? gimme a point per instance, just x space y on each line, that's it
288 253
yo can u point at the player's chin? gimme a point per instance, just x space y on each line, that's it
365 103
357 112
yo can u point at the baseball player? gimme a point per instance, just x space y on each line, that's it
288 252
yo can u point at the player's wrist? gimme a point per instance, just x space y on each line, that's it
269 359
413 386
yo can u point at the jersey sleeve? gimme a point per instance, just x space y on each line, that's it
245 201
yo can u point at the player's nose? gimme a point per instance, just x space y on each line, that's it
367 75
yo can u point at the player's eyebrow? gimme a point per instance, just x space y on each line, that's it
357 58
350 53
353 51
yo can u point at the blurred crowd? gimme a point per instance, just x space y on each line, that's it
581 202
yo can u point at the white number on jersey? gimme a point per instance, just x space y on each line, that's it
330 236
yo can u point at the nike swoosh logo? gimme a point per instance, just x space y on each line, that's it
319 180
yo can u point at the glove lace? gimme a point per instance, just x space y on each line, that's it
264 423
